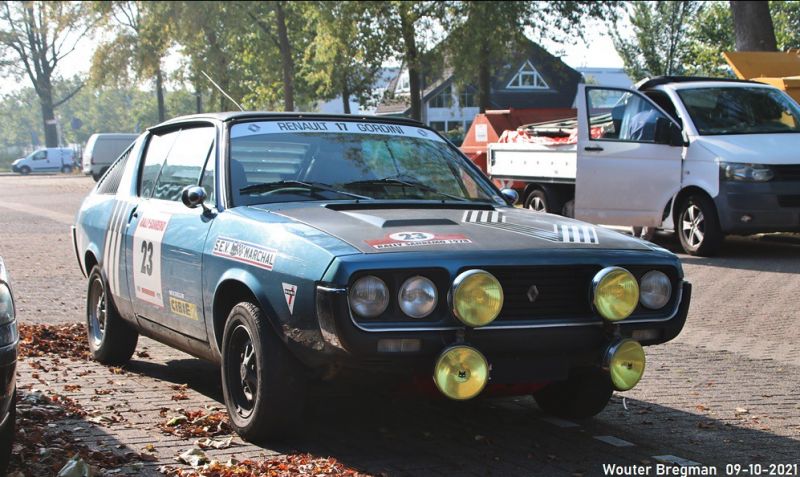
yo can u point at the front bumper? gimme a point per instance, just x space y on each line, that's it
759 207
15 168
517 356
8 372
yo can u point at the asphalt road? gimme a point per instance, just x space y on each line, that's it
724 392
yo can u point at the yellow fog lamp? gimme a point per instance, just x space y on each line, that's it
615 293
625 362
477 297
461 372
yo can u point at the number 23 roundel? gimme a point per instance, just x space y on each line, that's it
147 257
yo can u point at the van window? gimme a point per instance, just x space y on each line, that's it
109 183
631 118
184 162
158 147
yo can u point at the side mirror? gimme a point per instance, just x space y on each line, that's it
667 132
193 196
510 196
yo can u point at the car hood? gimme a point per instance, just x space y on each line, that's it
755 148
373 229
17 161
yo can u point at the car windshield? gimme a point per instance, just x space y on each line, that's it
299 160
737 110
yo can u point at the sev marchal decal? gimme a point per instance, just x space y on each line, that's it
179 306
245 252
289 292
417 239
562 233
147 257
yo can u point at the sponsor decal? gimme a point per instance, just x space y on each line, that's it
351 127
183 308
289 292
417 239
560 233
245 252
147 241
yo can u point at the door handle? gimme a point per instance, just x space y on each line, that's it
592 148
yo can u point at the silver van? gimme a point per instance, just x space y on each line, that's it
50 159
102 149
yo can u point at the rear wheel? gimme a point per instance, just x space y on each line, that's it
111 339
536 201
263 383
698 226
584 394
66 169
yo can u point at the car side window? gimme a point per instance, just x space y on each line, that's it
158 146
207 181
40 155
621 116
184 162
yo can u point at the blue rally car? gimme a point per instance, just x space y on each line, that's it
294 247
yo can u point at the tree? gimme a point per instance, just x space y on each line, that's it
661 43
752 25
348 50
479 33
34 38
142 40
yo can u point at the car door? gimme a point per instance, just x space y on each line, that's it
41 161
629 158
166 237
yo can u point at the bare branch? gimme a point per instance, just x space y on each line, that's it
69 96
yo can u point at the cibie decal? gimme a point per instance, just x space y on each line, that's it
289 292
181 307
245 252
147 257
417 239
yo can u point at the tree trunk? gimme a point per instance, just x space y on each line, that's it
346 99
286 58
48 121
160 95
484 79
752 25
412 62
198 97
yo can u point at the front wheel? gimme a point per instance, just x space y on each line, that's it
584 394
698 226
111 339
24 170
263 383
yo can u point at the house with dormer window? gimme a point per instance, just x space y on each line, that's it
529 77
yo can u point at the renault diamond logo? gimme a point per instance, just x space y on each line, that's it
533 293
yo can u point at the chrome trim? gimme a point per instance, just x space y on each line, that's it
599 278
495 326
435 296
457 283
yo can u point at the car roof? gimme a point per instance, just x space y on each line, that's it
271 115
692 81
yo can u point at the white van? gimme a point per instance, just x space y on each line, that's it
701 156
51 159
102 149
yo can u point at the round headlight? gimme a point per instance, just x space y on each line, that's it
417 297
461 372
369 296
477 297
7 313
616 293
625 361
655 290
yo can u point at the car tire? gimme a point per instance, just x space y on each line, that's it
111 339
24 170
263 383
584 394
66 170
7 435
537 201
698 226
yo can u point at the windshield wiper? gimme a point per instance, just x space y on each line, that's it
311 186
405 183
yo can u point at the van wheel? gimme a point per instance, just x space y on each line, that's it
96 176
584 394
24 170
263 383
698 226
111 339
66 170
536 201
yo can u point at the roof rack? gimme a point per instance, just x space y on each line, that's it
659 80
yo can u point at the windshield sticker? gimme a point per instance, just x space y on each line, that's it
417 239
147 257
289 292
245 252
335 127
179 306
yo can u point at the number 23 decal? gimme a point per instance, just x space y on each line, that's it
147 257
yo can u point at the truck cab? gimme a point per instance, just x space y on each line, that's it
705 157
50 159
